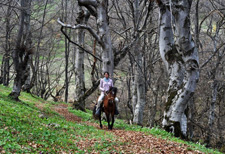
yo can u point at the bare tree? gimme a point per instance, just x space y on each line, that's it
141 12
82 18
5 68
21 55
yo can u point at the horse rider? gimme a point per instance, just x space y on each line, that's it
105 84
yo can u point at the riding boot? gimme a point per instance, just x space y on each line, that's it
97 113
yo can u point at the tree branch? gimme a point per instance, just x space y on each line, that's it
79 45
88 2
90 8
208 60
90 5
81 26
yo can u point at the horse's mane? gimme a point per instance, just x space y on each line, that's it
113 90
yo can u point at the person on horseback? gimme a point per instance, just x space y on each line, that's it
105 84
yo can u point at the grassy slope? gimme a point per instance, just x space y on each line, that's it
23 131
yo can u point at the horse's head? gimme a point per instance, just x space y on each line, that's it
111 95
113 91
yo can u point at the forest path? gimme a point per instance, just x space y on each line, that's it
135 142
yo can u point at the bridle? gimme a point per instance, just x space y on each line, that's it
109 98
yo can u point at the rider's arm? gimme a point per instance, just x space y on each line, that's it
101 85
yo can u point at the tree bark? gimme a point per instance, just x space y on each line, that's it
180 55
21 55
139 80
79 63
66 53
104 34
214 87
139 107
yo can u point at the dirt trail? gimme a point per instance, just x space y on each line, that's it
135 142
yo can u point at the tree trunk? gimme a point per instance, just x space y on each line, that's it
214 87
66 55
79 63
139 80
134 91
27 85
129 102
6 56
181 59
104 34
21 54
5 69
190 114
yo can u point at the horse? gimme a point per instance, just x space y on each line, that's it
108 106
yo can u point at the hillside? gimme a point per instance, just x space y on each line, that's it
37 126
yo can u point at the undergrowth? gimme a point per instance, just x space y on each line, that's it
30 126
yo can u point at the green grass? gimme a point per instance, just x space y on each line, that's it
22 130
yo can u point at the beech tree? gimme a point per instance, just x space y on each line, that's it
180 56
82 18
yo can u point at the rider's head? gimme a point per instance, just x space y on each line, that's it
106 74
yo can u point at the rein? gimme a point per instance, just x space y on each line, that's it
109 98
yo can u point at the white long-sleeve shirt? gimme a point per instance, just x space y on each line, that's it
105 84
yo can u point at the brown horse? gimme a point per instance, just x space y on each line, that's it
108 106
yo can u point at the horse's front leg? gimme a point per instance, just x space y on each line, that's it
100 120
112 121
108 120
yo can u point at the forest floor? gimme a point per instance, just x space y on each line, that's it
137 142
34 125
